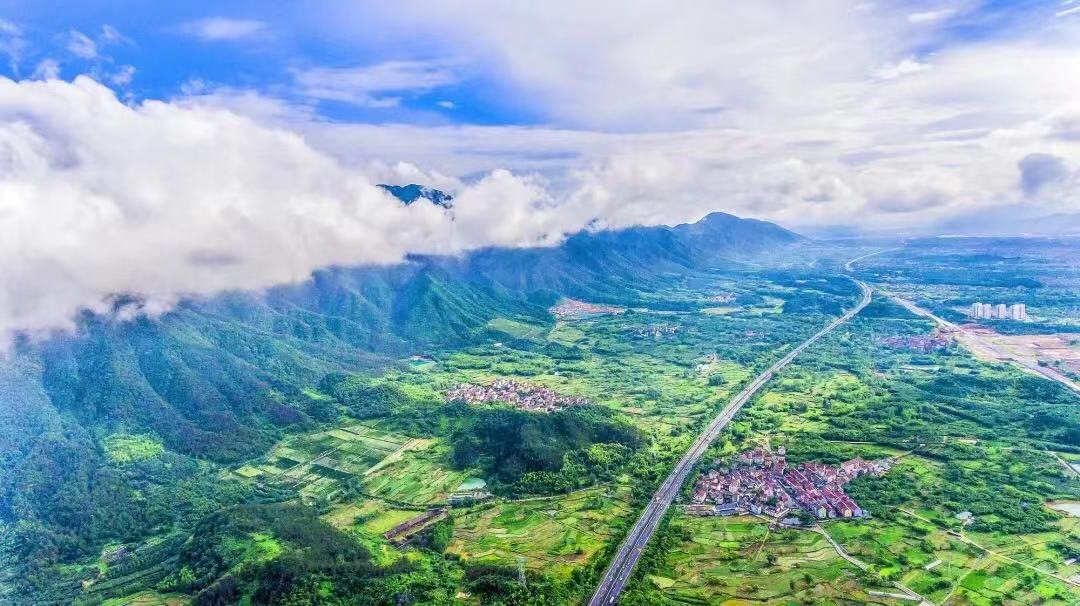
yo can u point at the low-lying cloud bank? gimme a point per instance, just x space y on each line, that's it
163 200
224 189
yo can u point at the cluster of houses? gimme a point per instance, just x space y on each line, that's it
921 343
572 308
655 331
724 297
515 393
760 481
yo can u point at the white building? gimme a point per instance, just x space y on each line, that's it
999 311
1018 311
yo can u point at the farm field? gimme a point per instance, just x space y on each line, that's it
740 560
367 520
965 436
147 598
418 474
554 535
943 566
974 472
316 464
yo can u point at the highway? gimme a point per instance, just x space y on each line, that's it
624 560
974 339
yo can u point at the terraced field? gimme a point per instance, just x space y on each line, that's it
417 475
317 463
367 521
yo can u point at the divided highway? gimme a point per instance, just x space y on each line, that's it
622 564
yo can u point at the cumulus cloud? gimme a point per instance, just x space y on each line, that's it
157 201
224 28
808 112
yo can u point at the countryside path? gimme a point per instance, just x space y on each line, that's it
629 552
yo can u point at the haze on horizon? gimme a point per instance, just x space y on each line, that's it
211 146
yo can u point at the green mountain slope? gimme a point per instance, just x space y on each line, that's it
222 379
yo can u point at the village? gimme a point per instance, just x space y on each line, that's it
934 341
655 331
761 482
574 309
520 395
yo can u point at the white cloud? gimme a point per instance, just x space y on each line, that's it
224 28
122 76
648 119
46 69
641 65
80 45
12 44
807 112
111 35
8 28
908 66
163 200
930 16
373 85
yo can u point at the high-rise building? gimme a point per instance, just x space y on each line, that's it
1018 311
999 311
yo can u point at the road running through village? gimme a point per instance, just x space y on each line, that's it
629 552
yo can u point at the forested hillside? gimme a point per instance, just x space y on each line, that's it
219 381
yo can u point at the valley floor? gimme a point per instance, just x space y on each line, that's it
962 519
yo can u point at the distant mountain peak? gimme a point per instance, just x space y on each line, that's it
412 192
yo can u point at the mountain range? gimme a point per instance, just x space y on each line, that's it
412 192
221 379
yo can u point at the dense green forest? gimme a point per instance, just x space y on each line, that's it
217 382
267 449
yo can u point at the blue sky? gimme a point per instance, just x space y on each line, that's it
261 46
140 138
246 45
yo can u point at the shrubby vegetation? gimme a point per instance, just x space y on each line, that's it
363 397
543 453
